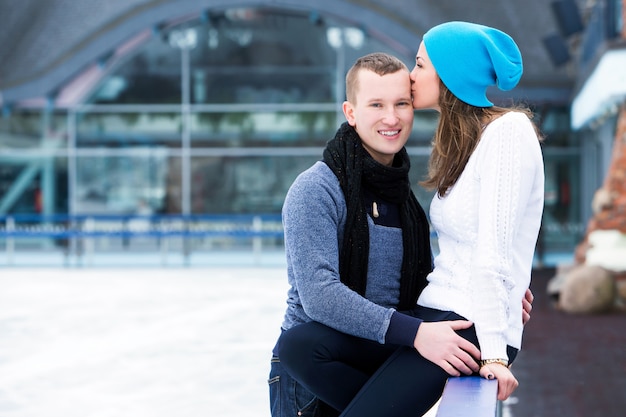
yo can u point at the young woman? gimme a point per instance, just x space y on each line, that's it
487 168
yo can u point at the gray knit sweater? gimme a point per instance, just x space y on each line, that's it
314 215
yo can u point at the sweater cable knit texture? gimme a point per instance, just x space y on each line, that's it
487 227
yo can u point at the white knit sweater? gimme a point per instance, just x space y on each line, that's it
487 227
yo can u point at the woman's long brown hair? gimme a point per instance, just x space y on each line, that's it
458 132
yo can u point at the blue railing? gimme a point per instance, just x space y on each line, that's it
66 226
77 235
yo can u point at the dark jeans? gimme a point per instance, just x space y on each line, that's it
363 378
288 398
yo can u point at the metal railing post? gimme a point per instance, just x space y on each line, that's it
257 240
10 226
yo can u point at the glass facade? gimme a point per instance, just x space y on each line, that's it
216 114
562 225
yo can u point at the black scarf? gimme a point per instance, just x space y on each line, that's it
355 168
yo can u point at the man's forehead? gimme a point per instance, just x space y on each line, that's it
369 80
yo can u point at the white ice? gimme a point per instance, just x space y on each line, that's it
122 342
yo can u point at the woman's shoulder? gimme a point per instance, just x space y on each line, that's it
510 116
509 119
512 124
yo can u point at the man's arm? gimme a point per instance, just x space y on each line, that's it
527 305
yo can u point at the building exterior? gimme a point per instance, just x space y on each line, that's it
202 107
599 114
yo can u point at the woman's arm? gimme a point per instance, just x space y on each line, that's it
506 169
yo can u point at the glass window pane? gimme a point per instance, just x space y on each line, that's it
150 76
121 184
25 129
263 128
253 184
562 227
33 183
24 126
129 128
262 56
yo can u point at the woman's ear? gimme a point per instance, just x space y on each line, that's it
348 111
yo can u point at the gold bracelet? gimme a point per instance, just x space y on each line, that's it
502 362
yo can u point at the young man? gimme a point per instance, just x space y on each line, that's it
357 243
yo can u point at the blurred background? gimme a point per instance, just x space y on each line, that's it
146 147
177 126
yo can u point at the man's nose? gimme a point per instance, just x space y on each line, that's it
391 116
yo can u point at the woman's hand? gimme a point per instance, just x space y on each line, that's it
507 383
439 343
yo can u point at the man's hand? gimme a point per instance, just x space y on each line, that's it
506 381
439 343
527 306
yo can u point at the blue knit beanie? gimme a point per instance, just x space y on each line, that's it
469 58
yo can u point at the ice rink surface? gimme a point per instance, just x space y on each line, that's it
133 342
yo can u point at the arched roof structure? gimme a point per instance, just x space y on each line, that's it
46 43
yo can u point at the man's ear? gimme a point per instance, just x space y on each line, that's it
348 111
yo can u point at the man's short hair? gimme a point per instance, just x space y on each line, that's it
378 62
